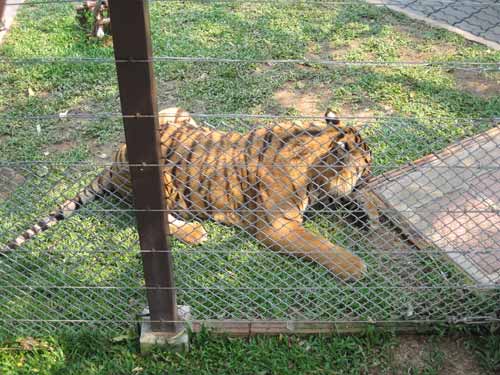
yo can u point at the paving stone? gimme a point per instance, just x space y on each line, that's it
450 207
481 18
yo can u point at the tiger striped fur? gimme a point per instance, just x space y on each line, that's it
261 181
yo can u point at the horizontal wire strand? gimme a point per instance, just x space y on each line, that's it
101 115
466 65
264 322
245 210
263 251
281 289
275 2
408 166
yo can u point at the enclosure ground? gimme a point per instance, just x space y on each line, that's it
373 353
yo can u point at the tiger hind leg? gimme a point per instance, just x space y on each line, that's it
191 233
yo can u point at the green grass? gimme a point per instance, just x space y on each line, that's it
88 352
422 107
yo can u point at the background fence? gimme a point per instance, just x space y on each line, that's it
432 257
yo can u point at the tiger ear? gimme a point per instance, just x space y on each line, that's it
332 119
175 115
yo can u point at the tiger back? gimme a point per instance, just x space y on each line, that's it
262 181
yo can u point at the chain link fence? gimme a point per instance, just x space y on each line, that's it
411 204
87 270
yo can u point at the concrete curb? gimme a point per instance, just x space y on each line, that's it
9 16
175 342
420 17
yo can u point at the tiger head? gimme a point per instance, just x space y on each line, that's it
346 163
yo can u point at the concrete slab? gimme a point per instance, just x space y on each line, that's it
9 16
478 21
450 201
176 342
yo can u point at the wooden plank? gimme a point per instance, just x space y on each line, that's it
451 201
272 328
132 46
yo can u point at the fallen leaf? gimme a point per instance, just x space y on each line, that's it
28 343
120 338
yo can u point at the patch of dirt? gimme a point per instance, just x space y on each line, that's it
410 352
107 41
9 180
458 360
311 101
44 94
340 52
327 51
364 108
477 83
167 94
317 51
449 353
61 147
419 49
102 153
263 68
415 54
362 111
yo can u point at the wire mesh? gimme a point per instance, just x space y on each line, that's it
224 195
419 229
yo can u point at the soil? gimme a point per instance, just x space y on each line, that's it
61 147
419 352
9 180
313 101
307 101
103 152
477 83
167 94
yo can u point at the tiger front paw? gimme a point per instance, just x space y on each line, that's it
352 270
191 233
347 266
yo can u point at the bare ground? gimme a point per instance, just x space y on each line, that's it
9 180
313 101
449 354
306 101
477 83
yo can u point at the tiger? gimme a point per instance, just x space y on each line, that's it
261 181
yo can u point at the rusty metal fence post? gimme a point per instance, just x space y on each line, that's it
132 46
